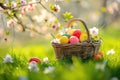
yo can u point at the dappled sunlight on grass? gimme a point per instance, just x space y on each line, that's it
35 51
64 70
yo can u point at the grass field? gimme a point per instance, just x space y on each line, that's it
106 69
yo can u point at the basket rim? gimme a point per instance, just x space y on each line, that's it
76 44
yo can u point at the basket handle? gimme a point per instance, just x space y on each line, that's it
77 19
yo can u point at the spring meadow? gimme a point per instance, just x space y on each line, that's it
59 39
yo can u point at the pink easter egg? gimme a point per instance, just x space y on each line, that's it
74 39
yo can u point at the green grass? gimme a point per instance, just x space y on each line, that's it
64 70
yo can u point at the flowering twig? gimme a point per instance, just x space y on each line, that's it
15 10
24 26
20 22
4 7
48 10
37 2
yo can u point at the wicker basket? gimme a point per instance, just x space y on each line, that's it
84 50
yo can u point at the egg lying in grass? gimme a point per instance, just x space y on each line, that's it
37 60
98 56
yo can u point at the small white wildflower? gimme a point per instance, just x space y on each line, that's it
33 66
110 52
114 78
94 31
55 41
8 59
101 66
45 59
49 69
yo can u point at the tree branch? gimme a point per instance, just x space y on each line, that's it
20 22
4 7
48 10
15 9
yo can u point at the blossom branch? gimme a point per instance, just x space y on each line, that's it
37 2
48 10
24 26
6 10
20 22
4 7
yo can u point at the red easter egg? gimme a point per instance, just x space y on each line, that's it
34 59
74 39
77 33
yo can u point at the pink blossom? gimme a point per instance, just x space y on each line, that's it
10 23
1 33
14 4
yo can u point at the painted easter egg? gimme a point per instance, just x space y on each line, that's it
74 39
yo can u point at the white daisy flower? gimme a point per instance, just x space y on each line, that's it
33 66
110 52
45 59
8 59
49 69
94 31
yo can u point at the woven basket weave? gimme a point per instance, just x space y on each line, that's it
84 50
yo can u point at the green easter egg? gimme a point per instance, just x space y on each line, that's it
66 35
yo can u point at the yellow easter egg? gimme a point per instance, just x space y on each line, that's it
83 37
64 40
70 32
58 36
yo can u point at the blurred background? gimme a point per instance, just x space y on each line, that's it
36 40
104 14
100 13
